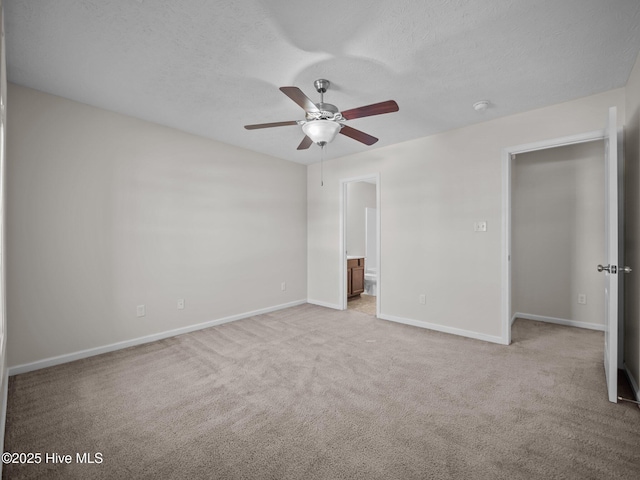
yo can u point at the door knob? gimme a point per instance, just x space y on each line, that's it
613 269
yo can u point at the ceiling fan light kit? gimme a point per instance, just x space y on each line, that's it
324 121
321 131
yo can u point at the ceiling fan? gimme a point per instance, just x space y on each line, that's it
324 121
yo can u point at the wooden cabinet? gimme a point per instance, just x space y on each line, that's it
355 276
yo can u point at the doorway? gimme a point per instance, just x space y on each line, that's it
360 244
613 254
509 157
558 216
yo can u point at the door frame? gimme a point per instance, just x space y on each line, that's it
508 155
343 237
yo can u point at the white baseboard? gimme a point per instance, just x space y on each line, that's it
559 321
442 328
633 382
335 306
513 319
70 357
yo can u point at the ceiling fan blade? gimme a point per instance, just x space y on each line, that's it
295 94
358 135
305 143
269 125
369 110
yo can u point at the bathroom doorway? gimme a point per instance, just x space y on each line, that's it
360 244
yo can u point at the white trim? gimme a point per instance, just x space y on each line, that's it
559 321
3 412
506 212
343 237
319 303
3 235
513 319
90 352
633 382
441 328
506 247
593 136
378 249
342 284
621 254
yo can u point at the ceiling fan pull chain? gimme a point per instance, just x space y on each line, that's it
321 164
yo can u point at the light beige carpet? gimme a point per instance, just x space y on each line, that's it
313 393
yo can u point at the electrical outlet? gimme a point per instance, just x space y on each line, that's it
480 227
181 304
140 311
582 298
422 299
283 286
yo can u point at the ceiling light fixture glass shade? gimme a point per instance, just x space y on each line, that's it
321 130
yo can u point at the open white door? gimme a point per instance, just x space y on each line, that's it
611 290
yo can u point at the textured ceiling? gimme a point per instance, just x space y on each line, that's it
210 67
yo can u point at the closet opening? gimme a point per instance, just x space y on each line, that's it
557 225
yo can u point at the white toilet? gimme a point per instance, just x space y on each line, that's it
370 281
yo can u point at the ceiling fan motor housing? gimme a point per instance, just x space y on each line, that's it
326 112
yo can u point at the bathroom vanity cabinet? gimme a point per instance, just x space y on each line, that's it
355 276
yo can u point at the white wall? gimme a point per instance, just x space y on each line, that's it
432 191
632 227
360 195
558 233
106 212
